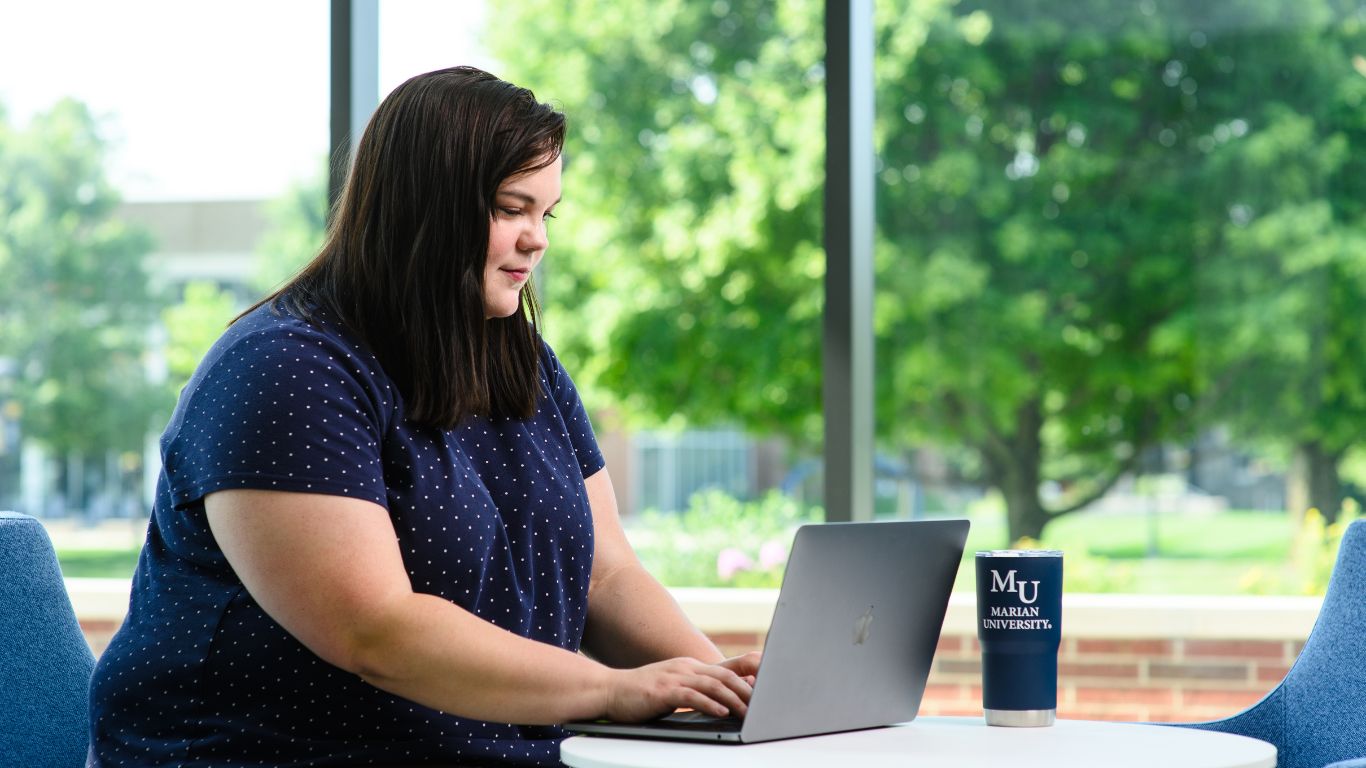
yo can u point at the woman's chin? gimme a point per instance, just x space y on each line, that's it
496 311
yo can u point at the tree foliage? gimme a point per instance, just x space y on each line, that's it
1067 196
1282 291
688 244
76 309
1101 224
192 326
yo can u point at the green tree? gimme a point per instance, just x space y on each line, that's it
1141 219
1057 207
687 247
1069 193
1042 232
1286 288
696 155
192 326
297 223
76 309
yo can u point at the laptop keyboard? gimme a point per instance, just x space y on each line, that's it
693 720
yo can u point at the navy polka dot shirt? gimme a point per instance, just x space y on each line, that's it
492 516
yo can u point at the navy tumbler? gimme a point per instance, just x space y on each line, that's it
1019 623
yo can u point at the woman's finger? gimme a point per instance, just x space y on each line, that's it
745 665
724 687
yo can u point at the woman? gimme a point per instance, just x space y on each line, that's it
383 528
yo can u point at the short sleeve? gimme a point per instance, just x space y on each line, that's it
566 399
286 408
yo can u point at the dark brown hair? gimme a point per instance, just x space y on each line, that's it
403 263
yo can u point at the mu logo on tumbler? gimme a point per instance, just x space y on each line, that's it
1008 584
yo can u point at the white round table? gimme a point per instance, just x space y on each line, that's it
947 742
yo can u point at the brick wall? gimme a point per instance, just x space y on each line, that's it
98 631
1122 657
1116 679
1112 679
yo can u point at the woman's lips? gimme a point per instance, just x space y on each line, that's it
520 275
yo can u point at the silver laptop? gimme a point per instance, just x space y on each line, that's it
851 641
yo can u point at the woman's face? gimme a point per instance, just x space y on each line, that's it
517 236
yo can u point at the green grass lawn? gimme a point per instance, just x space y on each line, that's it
1233 535
1234 552
98 563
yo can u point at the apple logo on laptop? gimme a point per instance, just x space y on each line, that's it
863 627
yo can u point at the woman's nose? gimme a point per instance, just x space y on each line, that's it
535 237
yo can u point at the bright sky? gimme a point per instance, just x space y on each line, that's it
210 100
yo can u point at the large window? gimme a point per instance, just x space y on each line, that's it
162 165
1119 264
139 143
1118 251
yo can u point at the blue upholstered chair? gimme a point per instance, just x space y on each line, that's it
45 664
1317 715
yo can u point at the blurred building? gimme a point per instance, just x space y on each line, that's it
211 240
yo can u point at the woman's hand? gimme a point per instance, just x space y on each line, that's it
658 689
746 665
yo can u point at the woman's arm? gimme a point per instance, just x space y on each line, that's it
329 570
632 618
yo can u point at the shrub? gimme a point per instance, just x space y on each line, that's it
720 541
1313 553
1316 546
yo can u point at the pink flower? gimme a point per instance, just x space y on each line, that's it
772 554
729 561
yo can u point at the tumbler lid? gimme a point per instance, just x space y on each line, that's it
1020 553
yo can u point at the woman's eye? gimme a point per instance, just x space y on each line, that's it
511 211
548 215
